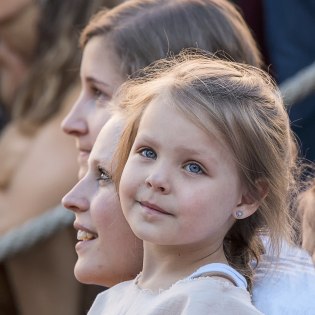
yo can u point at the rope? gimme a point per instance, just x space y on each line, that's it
31 232
301 85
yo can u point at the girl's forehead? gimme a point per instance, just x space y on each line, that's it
165 111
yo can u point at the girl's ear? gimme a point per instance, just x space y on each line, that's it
249 203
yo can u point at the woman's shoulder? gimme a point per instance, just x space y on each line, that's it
117 290
112 297
48 150
13 146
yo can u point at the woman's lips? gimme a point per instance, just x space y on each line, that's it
83 233
85 236
85 239
83 156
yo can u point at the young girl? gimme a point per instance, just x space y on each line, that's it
204 168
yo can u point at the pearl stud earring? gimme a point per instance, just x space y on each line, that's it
239 214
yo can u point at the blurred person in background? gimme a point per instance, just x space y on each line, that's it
39 64
18 20
285 30
307 215
289 36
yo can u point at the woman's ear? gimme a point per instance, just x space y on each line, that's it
250 203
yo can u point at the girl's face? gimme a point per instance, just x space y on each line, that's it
180 186
108 252
100 77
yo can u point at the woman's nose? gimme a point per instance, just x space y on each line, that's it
75 122
75 202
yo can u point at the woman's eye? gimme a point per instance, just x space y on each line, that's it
103 175
99 95
148 153
193 168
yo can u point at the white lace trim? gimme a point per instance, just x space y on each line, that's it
222 281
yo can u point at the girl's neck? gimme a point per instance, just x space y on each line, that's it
165 265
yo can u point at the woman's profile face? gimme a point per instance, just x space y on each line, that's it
100 77
108 252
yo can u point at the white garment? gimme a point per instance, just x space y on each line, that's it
285 286
194 295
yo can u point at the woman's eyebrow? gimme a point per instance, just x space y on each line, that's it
94 80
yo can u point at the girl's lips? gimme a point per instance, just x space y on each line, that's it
153 207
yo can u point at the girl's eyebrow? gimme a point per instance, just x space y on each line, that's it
196 153
145 140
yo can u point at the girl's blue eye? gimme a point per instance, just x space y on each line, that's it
148 153
193 168
103 175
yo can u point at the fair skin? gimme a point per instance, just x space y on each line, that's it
307 214
108 251
18 24
44 164
11 7
180 190
100 76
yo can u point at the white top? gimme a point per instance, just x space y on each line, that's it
194 295
285 285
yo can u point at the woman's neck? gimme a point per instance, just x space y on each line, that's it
165 265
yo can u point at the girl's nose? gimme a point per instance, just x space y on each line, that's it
158 182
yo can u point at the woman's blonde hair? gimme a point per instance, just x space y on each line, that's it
143 31
242 105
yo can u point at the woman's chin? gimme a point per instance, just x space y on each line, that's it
85 273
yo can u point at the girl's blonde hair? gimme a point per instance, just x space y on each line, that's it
242 105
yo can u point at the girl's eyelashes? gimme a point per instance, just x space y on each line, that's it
103 175
194 167
191 167
147 153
